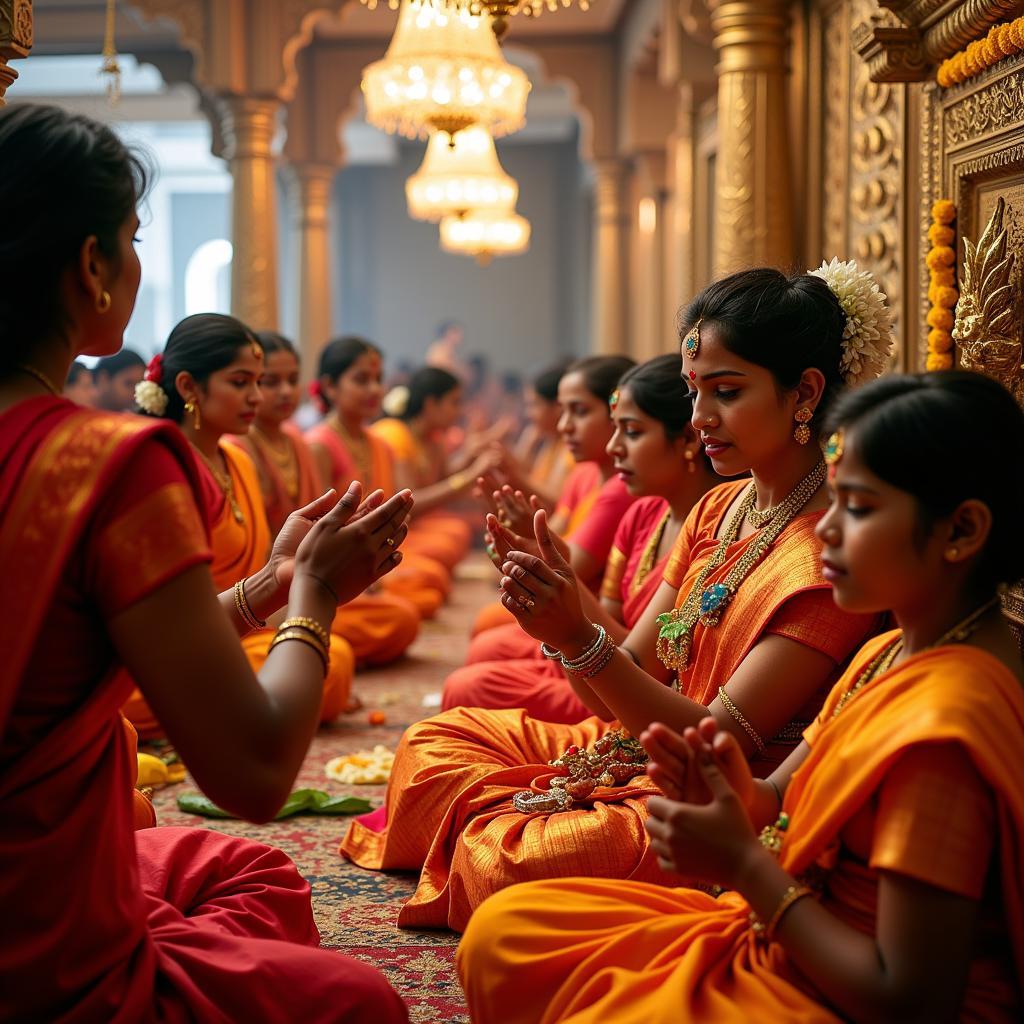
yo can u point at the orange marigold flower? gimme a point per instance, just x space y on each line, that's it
1016 33
940 341
1005 35
940 234
944 212
940 319
939 361
940 256
944 276
945 297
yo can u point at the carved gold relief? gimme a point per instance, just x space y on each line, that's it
995 108
986 329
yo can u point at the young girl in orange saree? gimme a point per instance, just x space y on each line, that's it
657 457
104 556
744 623
891 884
349 386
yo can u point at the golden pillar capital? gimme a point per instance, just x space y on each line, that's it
310 189
610 261
15 39
753 218
247 126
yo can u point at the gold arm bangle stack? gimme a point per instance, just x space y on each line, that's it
244 610
314 627
766 932
303 636
738 716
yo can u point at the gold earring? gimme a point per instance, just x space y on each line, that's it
802 434
952 553
103 302
691 466
192 408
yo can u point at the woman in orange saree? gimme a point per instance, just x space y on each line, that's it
657 456
223 364
891 886
102 546
349 386
594 498
469 804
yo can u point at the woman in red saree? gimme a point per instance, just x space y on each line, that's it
657 456
349 386
594 498
891 886
212 365
102 547
769 346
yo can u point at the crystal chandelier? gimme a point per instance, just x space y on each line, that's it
455 178
486 235
443 72
500 10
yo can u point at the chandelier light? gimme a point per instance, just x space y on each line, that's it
500 10
455 178
486 235
444 71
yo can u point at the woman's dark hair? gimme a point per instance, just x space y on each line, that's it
337 358
271 341
785 324
428 382
63 177
75 371
601 374
546 382
919 432
111 366
201 345
657 388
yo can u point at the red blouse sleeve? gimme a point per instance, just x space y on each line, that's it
147 531
596 534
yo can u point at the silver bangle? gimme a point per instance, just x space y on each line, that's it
571 664
550 653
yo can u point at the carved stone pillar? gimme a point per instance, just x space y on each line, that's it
311 202
608 280
15 39
247 125
753 219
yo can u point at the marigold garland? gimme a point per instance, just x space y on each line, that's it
1003 40
942 293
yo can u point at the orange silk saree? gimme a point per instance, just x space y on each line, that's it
448 803
599 951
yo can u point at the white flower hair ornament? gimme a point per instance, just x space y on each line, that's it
867 336
396 401
149 396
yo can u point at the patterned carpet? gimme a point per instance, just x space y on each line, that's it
357 910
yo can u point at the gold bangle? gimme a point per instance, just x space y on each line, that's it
304 637
314 627
766 932
738 715
457 481
249 617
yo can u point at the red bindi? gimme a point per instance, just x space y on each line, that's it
693 375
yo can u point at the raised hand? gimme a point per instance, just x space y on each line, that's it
673 761
514 510
352 546
542 591
712 841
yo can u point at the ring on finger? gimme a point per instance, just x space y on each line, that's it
390 541
526 602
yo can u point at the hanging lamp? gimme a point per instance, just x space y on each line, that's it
500 10
486 234
455 178
443 71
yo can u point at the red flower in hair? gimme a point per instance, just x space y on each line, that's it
315 391
155 369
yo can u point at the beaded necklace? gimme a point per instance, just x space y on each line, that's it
708 604
286 460
225 483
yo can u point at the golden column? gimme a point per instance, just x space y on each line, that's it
15 39
247 125
311 203
608 280
753 218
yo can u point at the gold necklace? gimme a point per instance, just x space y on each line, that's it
883 661
708 604
358 448
225 483
648 558
286 460
41 377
